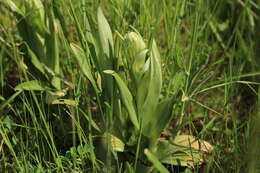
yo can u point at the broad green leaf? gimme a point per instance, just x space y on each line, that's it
183 159
122 120
126 97
105 34
190 141
35 15
35 61
32 85
89 33
104 52
156 54
148 91
152 158
83 63
161 118
35 41
170 153
143 85
184 150
52 46
64 102
30 14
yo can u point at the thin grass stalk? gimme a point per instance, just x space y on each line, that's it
90 138
190 60
50 136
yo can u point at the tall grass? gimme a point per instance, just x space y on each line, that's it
129 86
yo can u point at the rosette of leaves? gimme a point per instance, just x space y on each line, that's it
149 114
133 104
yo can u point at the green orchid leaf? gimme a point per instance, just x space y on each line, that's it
161 118
53 50
191 141
83 63
170 153
149 90
105 34
126 97
184 150
35 61
35 15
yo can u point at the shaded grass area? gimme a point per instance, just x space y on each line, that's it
116 92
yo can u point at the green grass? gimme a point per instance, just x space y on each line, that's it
129 86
